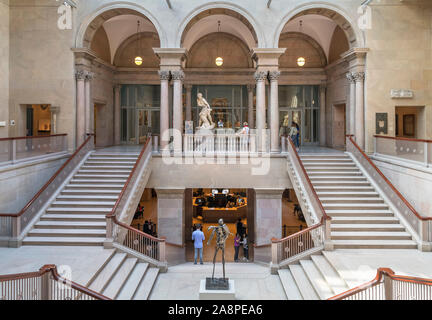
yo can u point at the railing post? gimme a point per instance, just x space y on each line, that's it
425 239
388 287
328 244
46 288
162 251
274 267
426 154
375 145
12 149
108 243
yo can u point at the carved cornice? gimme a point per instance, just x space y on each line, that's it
274 75
164 75
260 75
178 75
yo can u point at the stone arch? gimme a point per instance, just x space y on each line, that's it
322 59
342 19
220 8
238 49
92 22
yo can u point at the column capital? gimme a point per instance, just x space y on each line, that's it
178 75
250 87
164 75
359 76
89 75
350 77
260 75
323 85
80 75
274 75
117 86
188 87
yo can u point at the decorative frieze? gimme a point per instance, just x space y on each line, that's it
274 75
178 75
260 75
164 75
401 94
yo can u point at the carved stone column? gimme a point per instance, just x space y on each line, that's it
351 107
250 89
178 77
322 130
260 77
188 102
359 113
80 107
274 111
164 109
89 109
117 115
54 112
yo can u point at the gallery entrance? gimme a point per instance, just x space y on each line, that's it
204 207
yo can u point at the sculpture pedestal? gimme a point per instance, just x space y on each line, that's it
205 294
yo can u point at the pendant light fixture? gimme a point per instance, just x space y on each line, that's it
301 61
138 59
219 60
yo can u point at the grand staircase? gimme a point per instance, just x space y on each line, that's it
123 277
77 216
360 216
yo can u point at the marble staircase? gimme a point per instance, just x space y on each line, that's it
360 216
124 277
77 216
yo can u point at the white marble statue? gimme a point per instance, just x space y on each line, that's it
205 119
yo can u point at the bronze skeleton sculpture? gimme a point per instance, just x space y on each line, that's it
222 233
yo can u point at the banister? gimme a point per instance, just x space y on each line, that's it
315 195
292 236
33 137
46 185
138 231
401 197
403 138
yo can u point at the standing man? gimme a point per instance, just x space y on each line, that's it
198 238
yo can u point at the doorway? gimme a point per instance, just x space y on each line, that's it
38 120
410 122
339 129
205 207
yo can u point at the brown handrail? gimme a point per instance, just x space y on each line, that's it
380 273
402 198
46 185
403 139
112 214
308 180
52 268
32 137
295 235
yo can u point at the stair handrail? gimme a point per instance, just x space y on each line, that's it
384 278
136 245
33 137
46 290
424 228
16 224
402 138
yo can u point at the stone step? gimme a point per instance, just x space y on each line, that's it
364 220
341 160
333 188
355 206
305 287
106 274
370 235
92 197
131 285
335 282
93 163
105 172
316 279
374 244
354 200
145 287
83 204
358 194
69 210
111 159
63 241
343 184
74 217
314 178
70 225
106 167
328 164
85 176
332 169
324 156
60 233
96 183
90 192
367 227
334 173
291 290
83 186
359 213
120 277
114 154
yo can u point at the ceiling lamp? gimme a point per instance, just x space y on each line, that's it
219 60
301 61
138 59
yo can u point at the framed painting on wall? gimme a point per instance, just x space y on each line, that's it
381 123
44 125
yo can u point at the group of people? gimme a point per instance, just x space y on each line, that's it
150 228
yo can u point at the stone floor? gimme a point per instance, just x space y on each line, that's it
252 282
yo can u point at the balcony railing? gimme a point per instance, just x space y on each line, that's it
45 284
13 150
388 286
417 151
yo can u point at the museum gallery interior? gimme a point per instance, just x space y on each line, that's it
215 150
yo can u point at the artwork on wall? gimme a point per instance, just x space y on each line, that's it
381 123
44 125
409 125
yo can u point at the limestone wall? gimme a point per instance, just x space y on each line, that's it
4 66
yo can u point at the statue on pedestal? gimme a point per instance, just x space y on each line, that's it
205 119
222 232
